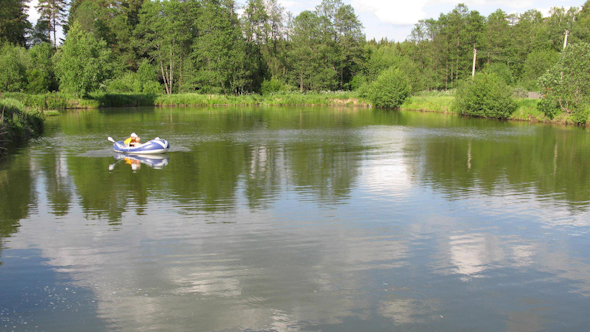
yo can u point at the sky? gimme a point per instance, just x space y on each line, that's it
394 19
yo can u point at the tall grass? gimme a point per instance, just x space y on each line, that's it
527 111
47 101
18 122
439 103
60 101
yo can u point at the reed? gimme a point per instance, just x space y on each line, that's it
61 101
18 122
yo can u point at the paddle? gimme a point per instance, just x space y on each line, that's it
111 139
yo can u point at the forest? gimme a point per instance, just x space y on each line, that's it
218 47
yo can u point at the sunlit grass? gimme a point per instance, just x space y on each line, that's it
430 101
60 101
441 104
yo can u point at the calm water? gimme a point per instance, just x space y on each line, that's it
297 219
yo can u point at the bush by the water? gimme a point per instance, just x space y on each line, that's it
18 122
486 95
390 89
274 85
566 86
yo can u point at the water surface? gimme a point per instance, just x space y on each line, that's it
296 219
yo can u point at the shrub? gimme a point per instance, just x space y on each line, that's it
486 95
127 82
390 89
501 70
152 87
566 86
273 85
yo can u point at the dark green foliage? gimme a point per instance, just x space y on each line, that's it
326 47
13 22
390 89
39 34
83 63
14 61
141 82
566 86
273 86
165 33
501 70
486 95
224 62
17 121
40 75
52 13
537 63
47 101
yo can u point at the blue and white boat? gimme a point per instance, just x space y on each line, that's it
155 146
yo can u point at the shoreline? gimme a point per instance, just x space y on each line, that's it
53 103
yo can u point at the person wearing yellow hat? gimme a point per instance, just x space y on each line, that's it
132 141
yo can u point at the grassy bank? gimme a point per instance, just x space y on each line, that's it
60 101
426 101
18 122
443 103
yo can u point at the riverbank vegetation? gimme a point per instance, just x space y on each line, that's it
202 52
18 122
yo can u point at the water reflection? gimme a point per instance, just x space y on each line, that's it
307 220
157 161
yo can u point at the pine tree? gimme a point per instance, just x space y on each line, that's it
54 13
13 21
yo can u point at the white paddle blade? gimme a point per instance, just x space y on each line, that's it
111 139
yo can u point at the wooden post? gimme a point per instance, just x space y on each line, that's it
567 33
474 59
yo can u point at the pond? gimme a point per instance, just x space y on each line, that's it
296 219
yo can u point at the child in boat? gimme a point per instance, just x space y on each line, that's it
132 140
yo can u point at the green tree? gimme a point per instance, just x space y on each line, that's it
486 95
390 89
39 34
537 63
165 33
14 61
264 26
83 62
566 86
113 21
40 74
305 55
13 21
496 39
54 14
220 53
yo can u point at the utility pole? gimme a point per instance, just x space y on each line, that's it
567 33
474 59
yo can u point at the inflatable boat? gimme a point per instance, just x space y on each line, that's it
155 146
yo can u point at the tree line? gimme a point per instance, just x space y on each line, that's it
215 46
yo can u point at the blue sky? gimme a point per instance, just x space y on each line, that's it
394 19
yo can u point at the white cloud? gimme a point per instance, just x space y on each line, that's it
393 12
410 12
287 3
33 14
